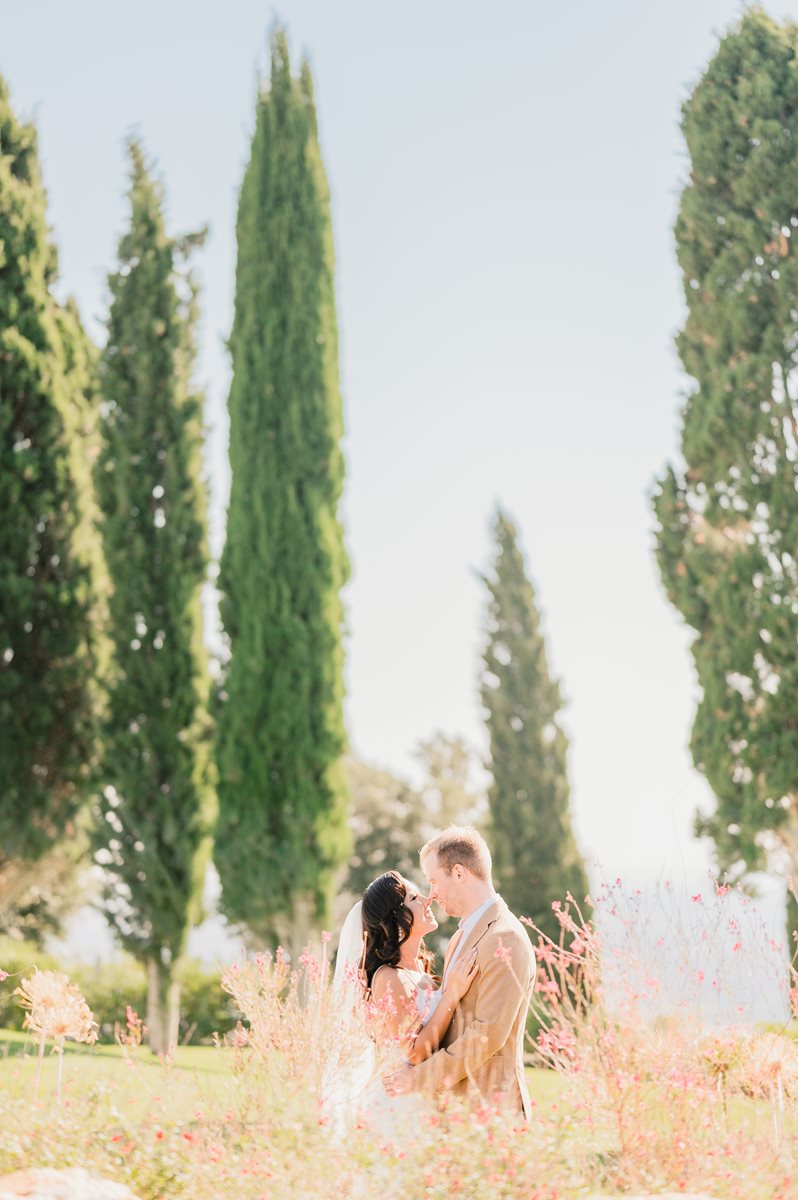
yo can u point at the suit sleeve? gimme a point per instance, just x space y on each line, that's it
503 987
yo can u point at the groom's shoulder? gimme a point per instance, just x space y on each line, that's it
507 923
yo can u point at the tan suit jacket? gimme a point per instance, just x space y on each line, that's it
481 1055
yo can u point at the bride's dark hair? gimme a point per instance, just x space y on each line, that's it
387 922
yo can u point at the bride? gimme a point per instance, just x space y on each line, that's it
383 979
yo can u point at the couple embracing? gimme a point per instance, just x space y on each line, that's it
466 1035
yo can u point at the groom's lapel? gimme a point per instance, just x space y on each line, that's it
450 949
488 918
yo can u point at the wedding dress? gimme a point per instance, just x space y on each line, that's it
388 1115
353 1089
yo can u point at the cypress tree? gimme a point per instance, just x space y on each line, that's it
155 809
727 520
282 833
51 576
535 856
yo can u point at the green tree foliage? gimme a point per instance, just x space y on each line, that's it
449 792
283 834
727 522
38 895
388 823
51 576
390 820
536 860
155 809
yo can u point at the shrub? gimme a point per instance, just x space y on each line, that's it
110 987
18 959
204 1008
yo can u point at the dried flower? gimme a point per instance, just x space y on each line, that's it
770 1064
56 1008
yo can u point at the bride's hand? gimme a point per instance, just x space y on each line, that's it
461 976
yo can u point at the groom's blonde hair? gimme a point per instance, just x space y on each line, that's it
461 844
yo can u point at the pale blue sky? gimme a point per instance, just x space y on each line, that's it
504 181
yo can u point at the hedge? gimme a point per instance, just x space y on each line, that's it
109 987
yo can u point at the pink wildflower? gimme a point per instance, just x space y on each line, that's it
503 952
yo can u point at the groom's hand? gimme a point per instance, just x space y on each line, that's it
399 1083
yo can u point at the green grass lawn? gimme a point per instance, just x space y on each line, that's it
197 1076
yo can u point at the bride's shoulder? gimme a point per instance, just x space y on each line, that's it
385 979
395 982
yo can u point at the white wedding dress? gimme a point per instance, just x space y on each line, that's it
388 1115
353 1091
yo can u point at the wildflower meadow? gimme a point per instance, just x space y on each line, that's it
645 1079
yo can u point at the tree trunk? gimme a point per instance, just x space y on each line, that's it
789 839
792 920
296 931
163 1006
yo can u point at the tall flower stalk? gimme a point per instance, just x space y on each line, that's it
55 1009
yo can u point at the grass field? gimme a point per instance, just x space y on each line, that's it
206 1124
200 1075
198 1078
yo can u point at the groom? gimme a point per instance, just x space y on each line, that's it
481 1055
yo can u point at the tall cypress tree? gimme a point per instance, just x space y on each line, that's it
282 832
536 859
51 654
727 520
155 809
